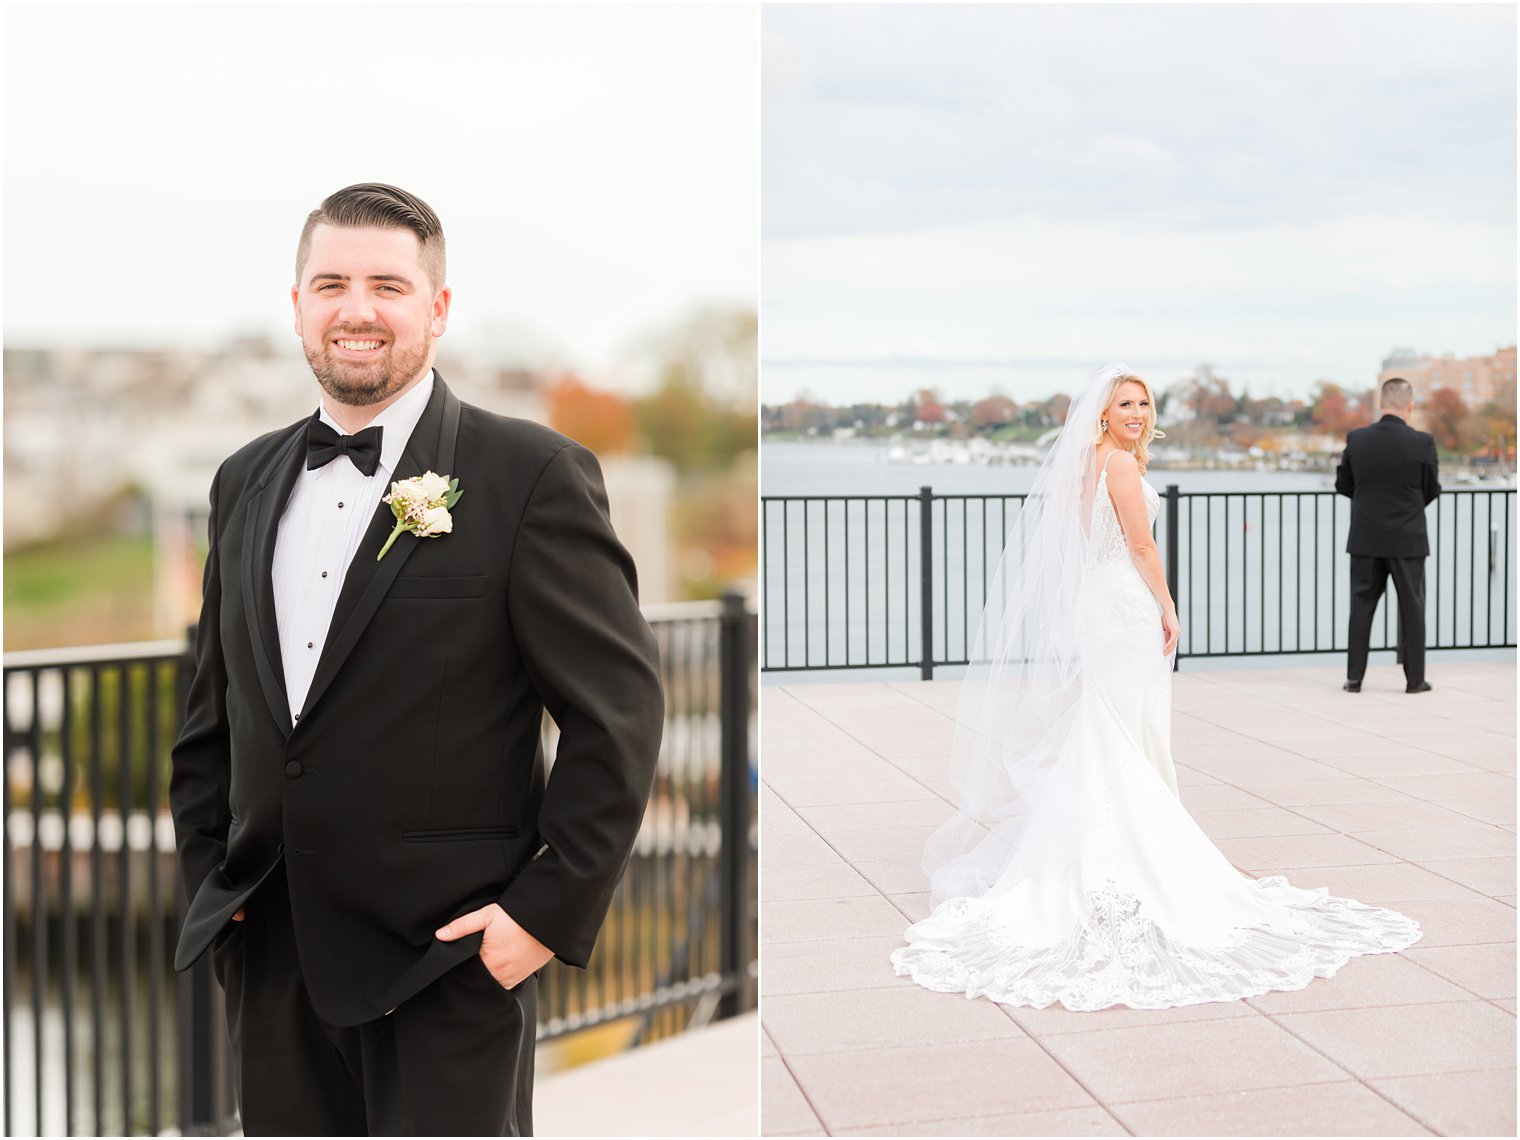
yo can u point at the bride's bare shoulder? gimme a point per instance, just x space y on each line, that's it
1122 465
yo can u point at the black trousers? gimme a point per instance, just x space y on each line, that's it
1369 578
454 1060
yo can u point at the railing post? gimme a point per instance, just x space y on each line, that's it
926 580
735 660
1173 556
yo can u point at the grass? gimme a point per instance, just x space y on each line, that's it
79 591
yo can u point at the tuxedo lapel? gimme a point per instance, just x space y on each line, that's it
430 448
265 507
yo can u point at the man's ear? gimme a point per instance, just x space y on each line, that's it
440 314
295 304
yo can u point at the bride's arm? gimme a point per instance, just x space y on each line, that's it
1129 505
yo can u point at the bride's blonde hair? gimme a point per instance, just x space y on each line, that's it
1142 452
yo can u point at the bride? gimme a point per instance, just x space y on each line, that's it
1071 872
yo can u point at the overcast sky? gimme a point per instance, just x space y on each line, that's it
595 168
984 196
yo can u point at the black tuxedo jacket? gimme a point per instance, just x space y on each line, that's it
1388 470
410 789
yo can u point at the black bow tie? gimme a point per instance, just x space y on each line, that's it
323 445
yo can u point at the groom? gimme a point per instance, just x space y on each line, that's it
372 853
1389 472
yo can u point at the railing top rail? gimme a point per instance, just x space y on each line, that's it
682 611
94 654
910 498
173 647
1266 493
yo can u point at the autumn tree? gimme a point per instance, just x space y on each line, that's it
994 412
926 407
1335 411
1444 416
599 421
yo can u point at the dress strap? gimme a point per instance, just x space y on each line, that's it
1104 469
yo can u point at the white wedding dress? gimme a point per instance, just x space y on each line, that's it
1111 894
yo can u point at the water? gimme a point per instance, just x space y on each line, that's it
1262 563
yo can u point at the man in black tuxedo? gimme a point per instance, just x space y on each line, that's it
372 852
1388 471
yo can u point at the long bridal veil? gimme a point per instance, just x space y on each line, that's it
1019 698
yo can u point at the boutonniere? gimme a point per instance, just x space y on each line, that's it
421 505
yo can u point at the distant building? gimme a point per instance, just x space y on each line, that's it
1477 379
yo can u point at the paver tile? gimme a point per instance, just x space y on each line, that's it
1367 980
1340 790
1493 876
1245 823
1220 797
1339 1108
1457 1104
883 843
1460 744
902 875
811 881
1486 970
1486 809
826 920
1455 786
1348 744
1300 851
880 1019
1053 1019
839 695
1402 764
913 905
899 1086
1410 1040
1398 815
1197 1057
822 967
1093 1121
776 819
797 850
832 819
1461 922
1478 841
783 1108
881 789
1380 884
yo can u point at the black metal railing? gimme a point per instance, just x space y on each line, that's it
898 581
102 1037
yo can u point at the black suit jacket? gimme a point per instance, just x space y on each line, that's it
411 787
1388 470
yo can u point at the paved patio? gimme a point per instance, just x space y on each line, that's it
1405 801
701 1083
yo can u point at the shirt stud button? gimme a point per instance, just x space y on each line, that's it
340 506
310 644
324 573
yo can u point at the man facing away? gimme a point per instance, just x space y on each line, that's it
1388 470
372 853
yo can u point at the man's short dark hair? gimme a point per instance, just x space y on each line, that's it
388 207
1396 393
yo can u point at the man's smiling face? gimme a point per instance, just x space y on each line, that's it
367 312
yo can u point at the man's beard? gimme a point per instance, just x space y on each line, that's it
363 384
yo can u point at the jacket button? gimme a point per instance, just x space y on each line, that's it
293 769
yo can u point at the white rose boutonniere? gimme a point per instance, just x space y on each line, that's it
421 505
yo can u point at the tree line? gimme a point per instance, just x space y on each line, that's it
1203 411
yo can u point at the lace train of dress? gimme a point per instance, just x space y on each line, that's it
1111 894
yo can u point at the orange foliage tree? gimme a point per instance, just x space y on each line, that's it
600 421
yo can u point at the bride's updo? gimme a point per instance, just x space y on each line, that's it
1142 452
